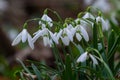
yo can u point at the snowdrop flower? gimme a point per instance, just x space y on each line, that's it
87 24
48 20
24 35
71 29
66 36
81 31
83 57
47 36
88 15
105 23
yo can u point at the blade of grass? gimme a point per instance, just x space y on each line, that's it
37 72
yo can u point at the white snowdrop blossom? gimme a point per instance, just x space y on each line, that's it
47 36
105 23
47 20
83 57
88 15
71 29
81 31
66 36
23 36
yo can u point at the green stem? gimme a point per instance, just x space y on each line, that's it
106 66
60 19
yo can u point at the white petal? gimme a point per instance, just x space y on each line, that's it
30 41
40 33
78 36
69 34
105 25
59 33
65 40
82 57
54 38
98 19
69 27
73 31
84 34
24 35
48 19
88 15
93 59
17 39
45 41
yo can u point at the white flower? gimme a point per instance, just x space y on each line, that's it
71 29
47 36
83 32
38 34
66 36
88 15
65 40
46 18
24 35
82 57
105 23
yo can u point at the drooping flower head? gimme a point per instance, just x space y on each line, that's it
47 35
47 21
80 31
83 57
23 36
104 23
88 15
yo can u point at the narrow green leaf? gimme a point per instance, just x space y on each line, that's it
21 76
114 47
111 40
95 36
117 68
110 45
37 72
25 68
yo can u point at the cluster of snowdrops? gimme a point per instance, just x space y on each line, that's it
69 31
